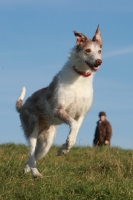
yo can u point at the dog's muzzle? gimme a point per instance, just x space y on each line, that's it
94 67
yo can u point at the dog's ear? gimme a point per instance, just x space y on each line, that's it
97 37
81 38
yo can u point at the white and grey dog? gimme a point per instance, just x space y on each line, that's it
66 100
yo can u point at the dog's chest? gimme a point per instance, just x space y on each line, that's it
76 98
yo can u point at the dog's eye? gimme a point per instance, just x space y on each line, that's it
99 51
88 50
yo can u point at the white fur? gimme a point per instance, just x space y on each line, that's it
66 100
22 94
31 163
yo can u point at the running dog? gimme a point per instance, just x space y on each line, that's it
67 99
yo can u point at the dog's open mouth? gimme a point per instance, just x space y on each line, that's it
93 67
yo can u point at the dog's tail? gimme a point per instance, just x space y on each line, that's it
19 102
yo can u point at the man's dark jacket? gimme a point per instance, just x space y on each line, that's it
103 132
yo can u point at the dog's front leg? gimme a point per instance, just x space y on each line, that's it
74 127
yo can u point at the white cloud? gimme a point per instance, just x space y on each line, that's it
118 52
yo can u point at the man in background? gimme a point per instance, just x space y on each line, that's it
103 131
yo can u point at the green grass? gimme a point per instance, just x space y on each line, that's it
83 174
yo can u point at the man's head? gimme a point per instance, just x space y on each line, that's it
102 116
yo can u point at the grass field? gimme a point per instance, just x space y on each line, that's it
85 173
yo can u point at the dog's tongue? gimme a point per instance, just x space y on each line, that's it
95 67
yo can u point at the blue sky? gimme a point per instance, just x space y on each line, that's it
35 40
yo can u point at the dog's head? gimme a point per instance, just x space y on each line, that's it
90 50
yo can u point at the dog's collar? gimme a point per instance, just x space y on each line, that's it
85 74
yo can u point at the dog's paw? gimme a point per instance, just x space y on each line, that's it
26 169
63 150
36 173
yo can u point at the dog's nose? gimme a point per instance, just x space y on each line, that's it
98 62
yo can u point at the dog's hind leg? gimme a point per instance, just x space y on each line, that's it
31 163
44 142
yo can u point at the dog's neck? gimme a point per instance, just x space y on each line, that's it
85 74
